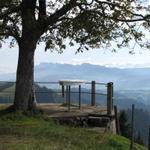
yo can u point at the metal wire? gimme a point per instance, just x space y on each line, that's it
55 90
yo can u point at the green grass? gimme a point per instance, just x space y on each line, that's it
20 132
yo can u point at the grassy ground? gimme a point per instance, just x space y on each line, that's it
20 132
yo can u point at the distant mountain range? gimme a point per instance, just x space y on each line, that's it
128 78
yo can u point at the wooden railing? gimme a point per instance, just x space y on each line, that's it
93 92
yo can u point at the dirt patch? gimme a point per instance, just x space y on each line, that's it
56 110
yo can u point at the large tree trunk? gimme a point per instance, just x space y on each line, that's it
24 98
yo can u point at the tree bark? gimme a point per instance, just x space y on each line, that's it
25 76
32 100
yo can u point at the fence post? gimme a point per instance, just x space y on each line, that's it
149 139
109 98
117 120
132 129
93 89
67 94
112 91
79 96
63 91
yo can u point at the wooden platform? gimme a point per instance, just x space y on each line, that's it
94 117
58 110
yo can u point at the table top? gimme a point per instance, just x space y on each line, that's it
71 82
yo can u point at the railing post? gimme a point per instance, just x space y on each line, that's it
93 89
112 91
79 96
109 98
67 94
132 129
68 88
117 120
69 102
63 91
149 139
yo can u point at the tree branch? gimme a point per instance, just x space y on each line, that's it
42 8
86 4
113 5
51 20
28 11
103 14
9 12
11 32
8 33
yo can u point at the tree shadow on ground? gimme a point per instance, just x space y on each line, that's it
7 110
11 110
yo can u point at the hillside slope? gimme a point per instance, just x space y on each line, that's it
37 133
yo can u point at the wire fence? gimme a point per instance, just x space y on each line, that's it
51 92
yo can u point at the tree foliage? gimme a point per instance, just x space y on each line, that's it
90 23
125 126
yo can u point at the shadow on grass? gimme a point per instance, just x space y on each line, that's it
12 110
7 110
